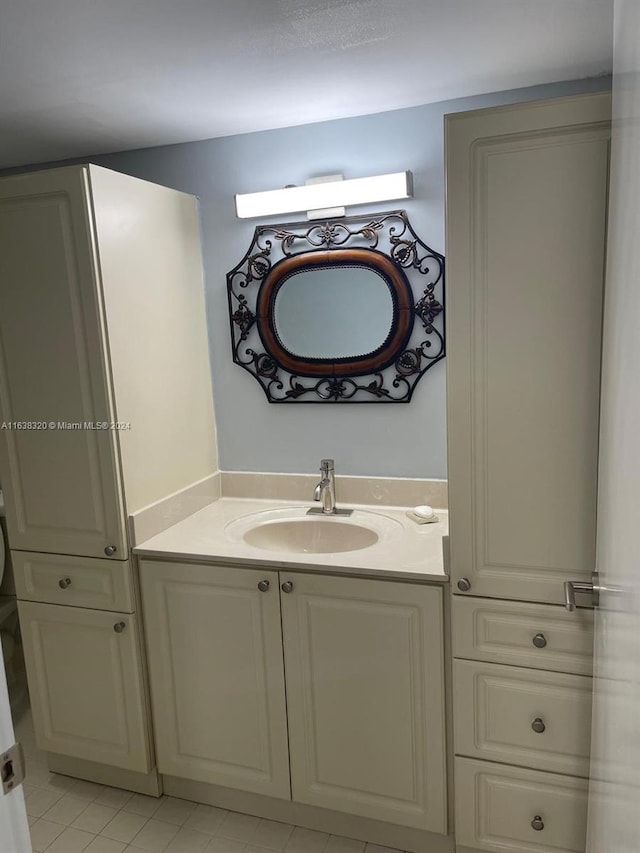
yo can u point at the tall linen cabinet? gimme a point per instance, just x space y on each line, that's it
526 234
106 408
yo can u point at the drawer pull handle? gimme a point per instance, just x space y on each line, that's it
539 641
63 583
287 586
263 586
119 627
538 725
110 550
537 823
464 584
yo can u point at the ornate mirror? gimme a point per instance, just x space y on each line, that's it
347 311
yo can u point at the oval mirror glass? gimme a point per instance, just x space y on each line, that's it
339 312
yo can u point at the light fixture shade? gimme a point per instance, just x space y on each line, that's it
395 185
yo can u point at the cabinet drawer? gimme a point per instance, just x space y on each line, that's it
77 581
495 808
504 632
525 717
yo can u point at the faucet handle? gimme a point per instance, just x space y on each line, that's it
326 465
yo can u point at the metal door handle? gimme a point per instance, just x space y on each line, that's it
119 627
63 583
287 586
571 587
537 823
538 725
263 586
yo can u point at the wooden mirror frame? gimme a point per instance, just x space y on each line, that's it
412 271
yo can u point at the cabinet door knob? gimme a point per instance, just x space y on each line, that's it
263 586
537 823
119 627
539 641
110 550
538 725
464 584
63 583
287 586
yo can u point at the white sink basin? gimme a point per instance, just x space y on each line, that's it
291 530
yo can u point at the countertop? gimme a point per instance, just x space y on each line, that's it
405 549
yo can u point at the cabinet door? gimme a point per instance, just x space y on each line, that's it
60 477
364 668
85 683
217 683
526 222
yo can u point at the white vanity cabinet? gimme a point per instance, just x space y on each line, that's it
363 672
101 325
103 349
526 235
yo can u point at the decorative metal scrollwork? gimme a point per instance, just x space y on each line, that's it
386 245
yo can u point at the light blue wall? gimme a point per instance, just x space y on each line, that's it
407 440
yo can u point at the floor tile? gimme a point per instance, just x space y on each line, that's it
142 804
218 844
307 841
155 835
173 810
114 797
206 818
94 818
71 841
240 827
86 790
36 775
100 844
124 826
38 800
252 848
271 834
339 844
43 833
66 809
64 784
188 841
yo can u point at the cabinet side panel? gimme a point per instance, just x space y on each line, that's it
150 260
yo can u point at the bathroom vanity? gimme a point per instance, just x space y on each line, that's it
314 680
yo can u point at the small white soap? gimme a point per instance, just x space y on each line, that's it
422 514
424 511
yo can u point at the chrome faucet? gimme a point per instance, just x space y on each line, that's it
326 492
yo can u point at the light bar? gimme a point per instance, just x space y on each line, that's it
390 187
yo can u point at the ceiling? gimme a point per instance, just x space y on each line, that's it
81 77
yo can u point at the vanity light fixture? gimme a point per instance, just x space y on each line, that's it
318 196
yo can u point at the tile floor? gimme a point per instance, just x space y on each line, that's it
72 816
